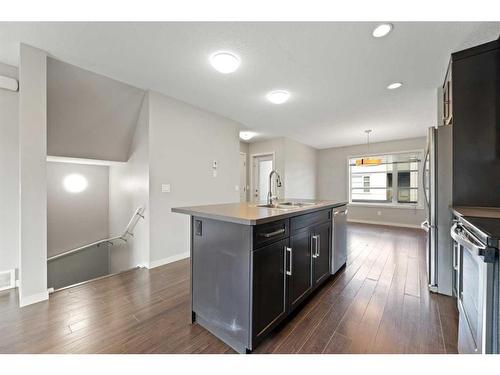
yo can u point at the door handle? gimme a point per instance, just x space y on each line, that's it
289 250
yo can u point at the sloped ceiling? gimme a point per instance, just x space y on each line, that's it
89 115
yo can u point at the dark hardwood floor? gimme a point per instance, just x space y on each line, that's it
379 303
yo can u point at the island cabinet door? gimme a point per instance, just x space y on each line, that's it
299 270
269 288
321 251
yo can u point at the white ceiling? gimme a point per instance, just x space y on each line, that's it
337 72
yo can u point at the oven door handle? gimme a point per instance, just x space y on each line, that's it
465 242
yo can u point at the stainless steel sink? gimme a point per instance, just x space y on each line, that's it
296 204
287 205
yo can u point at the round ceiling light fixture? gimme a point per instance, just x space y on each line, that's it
247 135
395 85
75 183
278 96
225 62
382 30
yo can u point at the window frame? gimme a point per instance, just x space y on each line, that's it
420 202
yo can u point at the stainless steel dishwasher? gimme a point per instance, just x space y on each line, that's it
339 238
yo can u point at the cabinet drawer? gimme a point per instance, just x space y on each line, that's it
267 233
306 220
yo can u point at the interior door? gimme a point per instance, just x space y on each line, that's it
262 166
243 177
300 268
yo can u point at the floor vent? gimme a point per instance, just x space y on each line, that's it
7 279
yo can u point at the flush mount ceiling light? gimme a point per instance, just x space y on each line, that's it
395 85
75 183
278 96
382 30
225 62
246 135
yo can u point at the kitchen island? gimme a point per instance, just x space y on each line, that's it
252 265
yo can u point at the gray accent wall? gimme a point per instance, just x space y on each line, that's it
89 115
76 219
9 174
332 182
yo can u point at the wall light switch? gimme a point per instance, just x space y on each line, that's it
379 213
214 168
165 188
236 187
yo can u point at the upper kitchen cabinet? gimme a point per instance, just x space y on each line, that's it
447 102
476 125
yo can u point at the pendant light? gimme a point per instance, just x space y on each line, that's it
368 161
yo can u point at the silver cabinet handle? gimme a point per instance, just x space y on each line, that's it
314 250
289 250
272 234
318 245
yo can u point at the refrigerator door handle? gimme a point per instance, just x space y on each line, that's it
424 185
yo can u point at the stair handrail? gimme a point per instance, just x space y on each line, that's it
138 214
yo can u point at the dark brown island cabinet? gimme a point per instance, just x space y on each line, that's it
252 266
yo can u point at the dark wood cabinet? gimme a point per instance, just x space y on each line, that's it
300 267
269 287
476 126
321 241
447 104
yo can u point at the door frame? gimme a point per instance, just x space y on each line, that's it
252 171
246 176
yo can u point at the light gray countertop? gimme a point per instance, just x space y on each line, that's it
251 214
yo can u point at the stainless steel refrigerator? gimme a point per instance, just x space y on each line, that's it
437 175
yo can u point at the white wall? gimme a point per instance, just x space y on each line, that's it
332 182
296 164
300 170
184 142
245 147
76 219
128 190
9 174
33 179
276 145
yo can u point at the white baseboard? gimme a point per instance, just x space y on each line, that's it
173 258
402 225
34 298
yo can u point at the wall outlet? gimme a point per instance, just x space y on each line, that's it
165 188
379 213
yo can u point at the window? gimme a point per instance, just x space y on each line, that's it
393 180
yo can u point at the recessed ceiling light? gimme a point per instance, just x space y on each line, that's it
246 135
225 62
278 96
382 30
395 85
